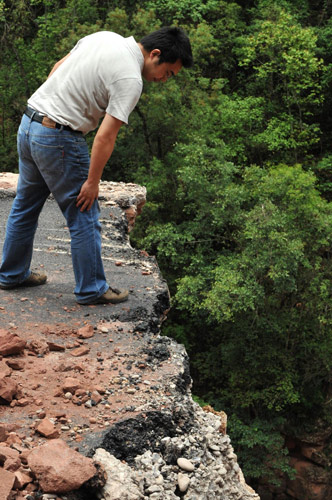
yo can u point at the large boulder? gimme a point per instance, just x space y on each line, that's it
58 468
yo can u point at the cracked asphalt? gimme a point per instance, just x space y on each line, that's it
55 302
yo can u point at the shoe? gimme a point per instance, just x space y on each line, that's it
35 279
112 296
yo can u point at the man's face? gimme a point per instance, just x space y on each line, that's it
155 72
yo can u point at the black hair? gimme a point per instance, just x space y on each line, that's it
173 44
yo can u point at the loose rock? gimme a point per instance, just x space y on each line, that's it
85 332
80 351
6 483
15 364
46 428
21 479
5 371
58 468
9 458
183 482
71 385
8 389
10 343
185 464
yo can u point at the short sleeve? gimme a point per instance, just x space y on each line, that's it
124 95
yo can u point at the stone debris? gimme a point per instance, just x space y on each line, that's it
195 462
10 343
5 430
221 414
22 479
55 347
38 347
7 480
183 482
71 385
15 364
210 474
58 468
5 370
9 458
80 351
8 389
120 483
185 464
47 429
130 197
170 448
85 332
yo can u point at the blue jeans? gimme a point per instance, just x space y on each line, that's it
56 161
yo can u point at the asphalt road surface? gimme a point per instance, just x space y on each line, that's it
55 302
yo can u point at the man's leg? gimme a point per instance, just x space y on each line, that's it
65 181
85 232
23 219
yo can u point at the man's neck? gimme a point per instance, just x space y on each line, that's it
142 49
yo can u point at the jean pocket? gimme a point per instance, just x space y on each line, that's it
48 157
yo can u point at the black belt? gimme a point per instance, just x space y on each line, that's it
37 117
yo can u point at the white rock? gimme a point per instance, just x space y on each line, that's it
185 464
154 488
183 482
222 471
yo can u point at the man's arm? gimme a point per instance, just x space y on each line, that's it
57 64
102 149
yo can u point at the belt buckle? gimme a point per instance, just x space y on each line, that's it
47 122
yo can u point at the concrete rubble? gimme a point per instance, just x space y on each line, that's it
94 402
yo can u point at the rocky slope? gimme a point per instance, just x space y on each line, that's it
94 403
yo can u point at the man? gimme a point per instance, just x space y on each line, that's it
100 78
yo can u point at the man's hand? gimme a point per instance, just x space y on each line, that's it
102 149
88 194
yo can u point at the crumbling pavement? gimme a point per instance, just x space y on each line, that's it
101 377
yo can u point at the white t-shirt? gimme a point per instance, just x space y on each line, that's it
102 74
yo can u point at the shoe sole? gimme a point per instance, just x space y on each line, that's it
21 285
103 300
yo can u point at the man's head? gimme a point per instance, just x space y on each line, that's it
165 52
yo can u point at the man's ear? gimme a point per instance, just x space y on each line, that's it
155 53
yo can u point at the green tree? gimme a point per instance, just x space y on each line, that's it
287 72
255 263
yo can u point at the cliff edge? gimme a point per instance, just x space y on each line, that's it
94 402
